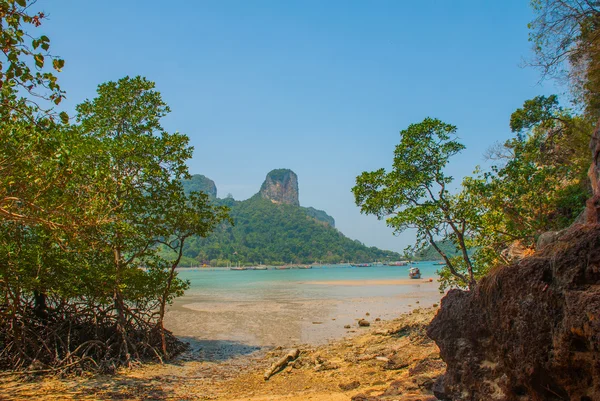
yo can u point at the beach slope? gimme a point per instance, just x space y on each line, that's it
388 360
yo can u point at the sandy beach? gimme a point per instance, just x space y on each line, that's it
268 321
236 335
361 283
391 360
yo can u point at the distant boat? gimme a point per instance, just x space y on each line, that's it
238 268
363 265
260 268
282 267
398 263
304 267
414 272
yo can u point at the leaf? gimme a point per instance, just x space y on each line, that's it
58 64
22 3
39 60
64 117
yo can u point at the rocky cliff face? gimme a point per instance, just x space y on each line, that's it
281 186
530 330
198 182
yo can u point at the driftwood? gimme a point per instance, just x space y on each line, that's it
281 363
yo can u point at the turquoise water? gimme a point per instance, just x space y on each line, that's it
295 306
277 284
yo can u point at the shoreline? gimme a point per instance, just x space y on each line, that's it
295 314
235 336
358 282
393 355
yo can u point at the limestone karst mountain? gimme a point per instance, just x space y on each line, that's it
281 186
272 228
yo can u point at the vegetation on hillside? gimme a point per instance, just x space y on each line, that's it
276 234
200 183
429 252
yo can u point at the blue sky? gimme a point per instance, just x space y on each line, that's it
321 87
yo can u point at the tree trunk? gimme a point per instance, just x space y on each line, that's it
163 301
40 309
120 307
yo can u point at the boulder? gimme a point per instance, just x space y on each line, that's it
397 361
349 386
529 330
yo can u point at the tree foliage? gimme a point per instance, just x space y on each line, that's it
83 210
33 168
415 195
566 42
25 81
539 186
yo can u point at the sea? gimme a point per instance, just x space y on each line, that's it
225 310
280 285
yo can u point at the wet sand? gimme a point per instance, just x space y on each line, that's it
266 321
393 359
355 283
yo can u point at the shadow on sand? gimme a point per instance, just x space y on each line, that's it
215 350
148 387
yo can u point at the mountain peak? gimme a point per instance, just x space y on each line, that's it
198 182
281 186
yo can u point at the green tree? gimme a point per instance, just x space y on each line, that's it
138 168
83 280
24 82
83 210
32 157
539 186
187 215
566 37
37 206
415 195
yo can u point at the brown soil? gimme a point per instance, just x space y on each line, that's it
390 360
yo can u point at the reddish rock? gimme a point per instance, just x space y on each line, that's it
528 331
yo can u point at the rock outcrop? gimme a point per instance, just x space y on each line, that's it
593 204
198 182
281 186
529 330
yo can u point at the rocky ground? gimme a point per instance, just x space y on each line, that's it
388 360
